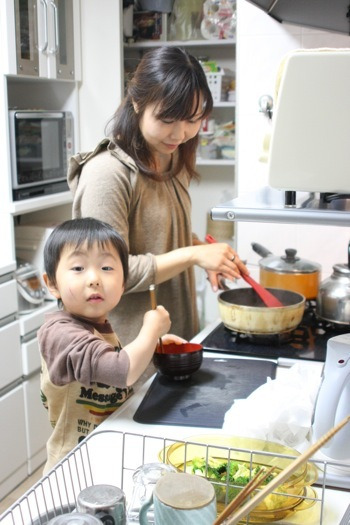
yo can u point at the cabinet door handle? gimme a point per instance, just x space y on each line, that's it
46 38
55 16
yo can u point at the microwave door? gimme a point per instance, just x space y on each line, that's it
38 147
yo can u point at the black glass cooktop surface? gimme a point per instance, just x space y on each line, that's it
308 341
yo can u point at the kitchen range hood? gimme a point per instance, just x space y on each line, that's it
331 15
268 205
308 159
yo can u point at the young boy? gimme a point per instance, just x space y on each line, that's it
86 375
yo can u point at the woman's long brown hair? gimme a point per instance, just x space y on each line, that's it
173 81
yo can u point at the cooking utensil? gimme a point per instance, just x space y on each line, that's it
152 292
288 272
333 298
287 472
268 298
242 310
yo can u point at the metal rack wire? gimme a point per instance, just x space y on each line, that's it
111 457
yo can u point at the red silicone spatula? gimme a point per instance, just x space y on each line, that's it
267 297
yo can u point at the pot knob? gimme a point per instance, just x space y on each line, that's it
290 256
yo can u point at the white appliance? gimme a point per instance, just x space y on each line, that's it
41 144
333 401
310 139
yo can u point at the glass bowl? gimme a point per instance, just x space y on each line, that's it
244 456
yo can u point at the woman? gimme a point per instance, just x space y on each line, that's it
137 181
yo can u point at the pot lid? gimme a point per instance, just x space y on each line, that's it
288 263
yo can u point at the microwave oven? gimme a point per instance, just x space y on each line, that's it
41 143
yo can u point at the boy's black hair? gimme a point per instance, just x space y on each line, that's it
76 232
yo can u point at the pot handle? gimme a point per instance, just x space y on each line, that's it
261 250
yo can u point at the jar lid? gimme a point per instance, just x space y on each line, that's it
288 263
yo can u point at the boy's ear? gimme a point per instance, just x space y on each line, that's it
51 287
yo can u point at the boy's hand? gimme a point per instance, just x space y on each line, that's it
158 320
172 338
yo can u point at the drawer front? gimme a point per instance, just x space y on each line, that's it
30 356
13 450
9 302
38 428
31 322
10 354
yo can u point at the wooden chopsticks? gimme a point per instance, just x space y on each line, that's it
244 493
285 474
152 293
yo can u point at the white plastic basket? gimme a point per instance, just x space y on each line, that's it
219 84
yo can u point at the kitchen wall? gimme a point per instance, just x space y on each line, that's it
262 44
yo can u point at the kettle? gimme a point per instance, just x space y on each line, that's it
333 399
333 298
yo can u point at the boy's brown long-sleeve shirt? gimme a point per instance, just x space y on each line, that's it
83 379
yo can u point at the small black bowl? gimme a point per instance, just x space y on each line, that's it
178 361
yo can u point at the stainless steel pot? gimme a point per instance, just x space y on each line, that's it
242 310
288 272
333 299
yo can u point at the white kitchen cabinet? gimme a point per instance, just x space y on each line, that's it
8 294
10 354
38 428
41 38
13 450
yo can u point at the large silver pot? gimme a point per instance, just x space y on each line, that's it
242 310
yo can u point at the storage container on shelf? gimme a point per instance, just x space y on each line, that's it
220 83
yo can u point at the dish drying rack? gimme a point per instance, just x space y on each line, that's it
111 457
